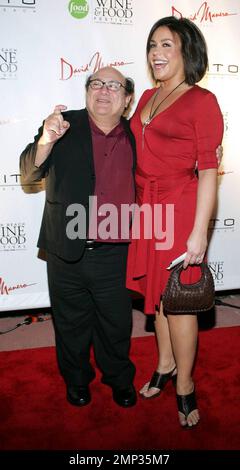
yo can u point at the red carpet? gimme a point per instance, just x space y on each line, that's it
35 414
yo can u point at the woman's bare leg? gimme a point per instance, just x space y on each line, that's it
184 334
166 361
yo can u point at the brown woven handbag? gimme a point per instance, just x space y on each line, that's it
194 298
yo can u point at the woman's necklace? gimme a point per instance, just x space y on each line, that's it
152 112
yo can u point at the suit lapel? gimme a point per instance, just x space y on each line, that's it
83 135
126 125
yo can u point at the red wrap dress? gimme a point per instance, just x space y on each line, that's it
182 136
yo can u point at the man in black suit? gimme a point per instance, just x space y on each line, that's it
84 155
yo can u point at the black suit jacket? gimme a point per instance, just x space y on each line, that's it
70 178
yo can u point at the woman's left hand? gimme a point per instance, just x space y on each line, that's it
196 248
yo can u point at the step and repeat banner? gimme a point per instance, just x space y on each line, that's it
47 50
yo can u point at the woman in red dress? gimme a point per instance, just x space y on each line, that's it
177 126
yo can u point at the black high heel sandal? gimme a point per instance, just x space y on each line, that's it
186 404
159 381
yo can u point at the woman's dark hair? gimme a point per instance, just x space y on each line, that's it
194 47
129 85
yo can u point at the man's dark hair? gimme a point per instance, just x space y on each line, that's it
193 46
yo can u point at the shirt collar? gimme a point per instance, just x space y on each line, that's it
117 130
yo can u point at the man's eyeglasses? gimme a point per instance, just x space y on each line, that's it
111 85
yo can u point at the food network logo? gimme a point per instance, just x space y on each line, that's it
18 5
78 9
8 63
113 11
12 237
95 62
203 14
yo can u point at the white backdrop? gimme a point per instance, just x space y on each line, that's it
47 49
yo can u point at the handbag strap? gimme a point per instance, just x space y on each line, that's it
205 273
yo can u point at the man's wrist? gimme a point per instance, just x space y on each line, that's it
43 142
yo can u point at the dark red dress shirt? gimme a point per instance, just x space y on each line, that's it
113 162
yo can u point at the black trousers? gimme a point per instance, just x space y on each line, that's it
91 306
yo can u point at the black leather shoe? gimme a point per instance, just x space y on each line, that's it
78 396
125 396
